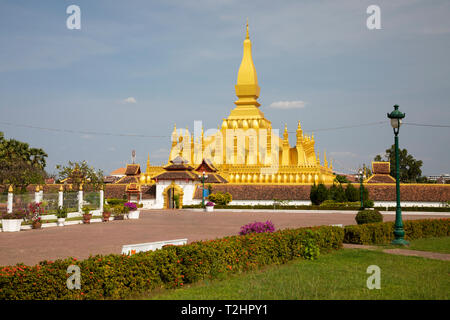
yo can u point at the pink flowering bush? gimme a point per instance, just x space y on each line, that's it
131 205
257 227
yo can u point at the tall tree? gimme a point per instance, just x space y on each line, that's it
409 167
80 173
21 165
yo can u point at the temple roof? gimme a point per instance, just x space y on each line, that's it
206 166
133 169
178 164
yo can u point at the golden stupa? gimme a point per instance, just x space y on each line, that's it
245 148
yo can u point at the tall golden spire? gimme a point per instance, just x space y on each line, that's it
247 72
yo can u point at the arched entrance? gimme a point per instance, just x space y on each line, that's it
173 196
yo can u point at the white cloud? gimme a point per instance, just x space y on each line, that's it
130 100
298 104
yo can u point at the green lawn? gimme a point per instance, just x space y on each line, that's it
339 275
441 245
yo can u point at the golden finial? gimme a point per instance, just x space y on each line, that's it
81 187
10 189
61 188
37 188
247 37
101 187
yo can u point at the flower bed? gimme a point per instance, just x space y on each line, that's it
118 276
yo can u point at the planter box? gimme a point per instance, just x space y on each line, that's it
133 214
209 208
61 222
11 225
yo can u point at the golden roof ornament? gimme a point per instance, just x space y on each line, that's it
10 189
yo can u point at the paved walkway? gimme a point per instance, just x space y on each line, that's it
80 241
403 252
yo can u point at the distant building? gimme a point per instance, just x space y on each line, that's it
443 178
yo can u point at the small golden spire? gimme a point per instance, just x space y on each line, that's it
147 170
81 187
247 36
61 188
10 189
37 188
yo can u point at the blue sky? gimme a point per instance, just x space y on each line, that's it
177 61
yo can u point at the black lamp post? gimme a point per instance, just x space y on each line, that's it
396 120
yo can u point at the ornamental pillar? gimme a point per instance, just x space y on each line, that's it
10 199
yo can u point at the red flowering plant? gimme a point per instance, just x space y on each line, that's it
34 212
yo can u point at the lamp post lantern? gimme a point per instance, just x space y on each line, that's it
396 117
203 177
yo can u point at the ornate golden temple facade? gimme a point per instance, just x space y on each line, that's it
245 148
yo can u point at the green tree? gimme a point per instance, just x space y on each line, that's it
313 194
341 179
410 168
351 193
80 173
21 165
337 193
318 194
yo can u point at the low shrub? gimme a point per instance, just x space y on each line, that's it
383 232
257 227
368 216
220 198
115 201
335 204
118 276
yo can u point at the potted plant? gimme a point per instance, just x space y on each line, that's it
11 221
61 214
106 213
119 212
133 212
87 215
34 214
209 206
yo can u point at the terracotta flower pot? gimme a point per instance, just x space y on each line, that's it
87 218
36 225
106 216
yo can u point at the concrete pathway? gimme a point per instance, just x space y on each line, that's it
80 241
403 252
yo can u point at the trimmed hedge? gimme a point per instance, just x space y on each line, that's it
368 216
312 207
118 276
383 232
